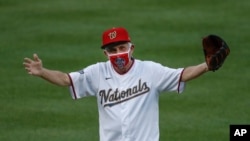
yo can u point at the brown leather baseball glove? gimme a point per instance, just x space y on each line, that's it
215 50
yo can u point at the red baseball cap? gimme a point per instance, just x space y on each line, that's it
114 35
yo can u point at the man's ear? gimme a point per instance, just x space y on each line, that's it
132 48
105 53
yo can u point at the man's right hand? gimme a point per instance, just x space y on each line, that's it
33 67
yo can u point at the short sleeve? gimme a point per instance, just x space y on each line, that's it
83 82
168 79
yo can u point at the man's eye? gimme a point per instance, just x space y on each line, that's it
109 50
112 50
123 48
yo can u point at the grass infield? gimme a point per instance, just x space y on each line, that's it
67 36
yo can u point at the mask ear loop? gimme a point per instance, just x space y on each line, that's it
129 47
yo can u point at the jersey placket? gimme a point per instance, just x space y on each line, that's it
125 121
125 118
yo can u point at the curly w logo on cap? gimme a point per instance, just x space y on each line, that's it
112 35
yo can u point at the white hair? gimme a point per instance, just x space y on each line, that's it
130 44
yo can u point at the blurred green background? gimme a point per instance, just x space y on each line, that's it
67 36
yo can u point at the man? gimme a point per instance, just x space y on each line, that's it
127 89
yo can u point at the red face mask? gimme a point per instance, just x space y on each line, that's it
119 60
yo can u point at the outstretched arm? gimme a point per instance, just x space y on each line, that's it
192 72
34 67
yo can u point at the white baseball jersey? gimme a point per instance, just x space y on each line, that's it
128 103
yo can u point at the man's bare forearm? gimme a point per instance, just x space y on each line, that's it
192 72
55 77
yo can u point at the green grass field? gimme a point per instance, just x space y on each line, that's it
67 37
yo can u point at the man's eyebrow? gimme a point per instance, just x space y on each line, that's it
112 48
123 45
